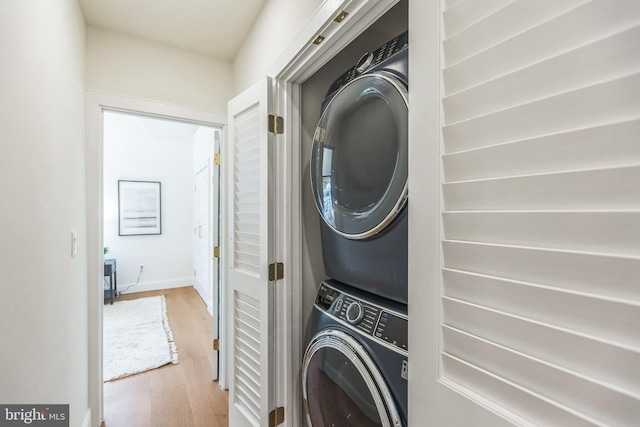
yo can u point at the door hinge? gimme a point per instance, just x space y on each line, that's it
216 252
276 124
216 344
276 271
276 417
194 272
216 159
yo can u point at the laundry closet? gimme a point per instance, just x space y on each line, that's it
354 161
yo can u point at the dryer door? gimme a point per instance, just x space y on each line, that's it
359 159
341 385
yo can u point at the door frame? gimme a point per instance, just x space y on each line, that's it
297 63
96 104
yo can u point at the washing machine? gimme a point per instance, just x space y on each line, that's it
354 371
358 168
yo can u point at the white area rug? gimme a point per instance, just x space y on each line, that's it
137 337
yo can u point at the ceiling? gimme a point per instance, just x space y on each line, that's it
213 27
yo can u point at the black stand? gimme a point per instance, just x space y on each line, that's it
110 271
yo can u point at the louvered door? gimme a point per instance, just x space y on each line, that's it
250 235
540 191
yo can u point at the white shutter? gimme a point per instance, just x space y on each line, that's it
250 220
246 259
246 358
246 194
541 219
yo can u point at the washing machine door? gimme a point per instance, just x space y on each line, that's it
359 158
342 387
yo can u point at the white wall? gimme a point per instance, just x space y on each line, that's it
132 153
43 308
278 24
124 65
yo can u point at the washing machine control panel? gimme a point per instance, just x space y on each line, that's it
370 59
379 323
355 313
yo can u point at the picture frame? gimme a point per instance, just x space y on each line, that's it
139 208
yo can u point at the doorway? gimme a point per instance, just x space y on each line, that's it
166 261
98 106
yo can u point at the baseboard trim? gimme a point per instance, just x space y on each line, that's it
87 419
157 285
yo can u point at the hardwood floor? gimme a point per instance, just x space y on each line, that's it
173 395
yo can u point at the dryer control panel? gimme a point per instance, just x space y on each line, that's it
370 59
366 317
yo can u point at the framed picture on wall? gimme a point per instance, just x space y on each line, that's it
139 208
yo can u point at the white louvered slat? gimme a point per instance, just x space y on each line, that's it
601 60
601 103
247 405
541 209
605 232
612 145
592 21
566 191
247 355
564 386
247 192
600 360
607 318
460 14
579 271
501 25
531 409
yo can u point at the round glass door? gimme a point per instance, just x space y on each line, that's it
359 158
341 386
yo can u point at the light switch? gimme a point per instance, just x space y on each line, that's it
74 244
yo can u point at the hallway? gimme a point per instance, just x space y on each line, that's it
173 395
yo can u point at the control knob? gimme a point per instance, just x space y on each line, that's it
364 62
355 313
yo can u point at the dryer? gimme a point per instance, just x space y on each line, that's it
359 166
354 371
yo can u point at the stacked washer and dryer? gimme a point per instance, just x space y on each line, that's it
355 366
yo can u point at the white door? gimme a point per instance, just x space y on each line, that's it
249 252
531 314
202 241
